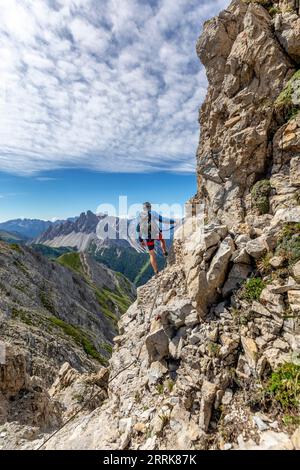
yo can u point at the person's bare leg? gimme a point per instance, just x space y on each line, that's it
153 261
163 245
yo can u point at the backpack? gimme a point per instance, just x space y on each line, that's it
149 229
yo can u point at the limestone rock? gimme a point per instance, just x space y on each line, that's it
256 248
238 274
157 345
287 30
294 300
274 302
217 271
208 393
276 262
296 271
296 439
251 351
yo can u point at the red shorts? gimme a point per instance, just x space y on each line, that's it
151 243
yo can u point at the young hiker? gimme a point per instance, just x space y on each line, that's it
149 229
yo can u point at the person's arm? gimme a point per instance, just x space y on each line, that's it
138 230
165 220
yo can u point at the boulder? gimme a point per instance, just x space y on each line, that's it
238 274
192 319
276 262
241 257
218 268
156 372
208 394
296 439
256 248
157 345
287 30
296 271
295 168
242 240
271 440
251 351
274 302
294 300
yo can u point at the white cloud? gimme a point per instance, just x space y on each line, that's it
111 85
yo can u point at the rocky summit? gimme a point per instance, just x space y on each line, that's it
208 356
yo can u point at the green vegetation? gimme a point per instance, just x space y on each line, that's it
213 349
21 266
16 247
47 301
18 314
253 288
12 238
49 252
133 265
291 420
72 261
274 10
288 244
80 338
260 194
285 102
160 388
109 300
284 386
170 385
107 347
263 265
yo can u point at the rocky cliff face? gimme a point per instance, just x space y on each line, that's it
251 52
208 355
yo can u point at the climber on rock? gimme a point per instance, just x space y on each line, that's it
149 229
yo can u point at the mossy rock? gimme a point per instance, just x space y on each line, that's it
288 102
260 195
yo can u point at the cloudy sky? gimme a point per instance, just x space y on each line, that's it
103 85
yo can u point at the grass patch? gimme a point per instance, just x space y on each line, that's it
253 288
160 388
18 314
80 338
110 301
47 302
16 247
260 194
291 420
108 348
285 101
263 265
284 387
170 385
72 261
288 244
213 349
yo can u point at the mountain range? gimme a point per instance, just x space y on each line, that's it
79 234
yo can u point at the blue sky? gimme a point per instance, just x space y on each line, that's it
103 86
71 192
